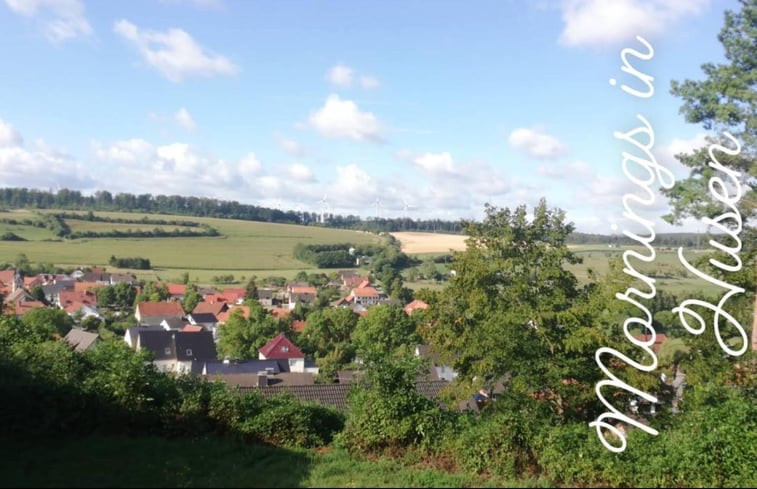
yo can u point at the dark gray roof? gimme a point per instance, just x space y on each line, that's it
50 289
174 322
200 343
204 317
265 293
335 395
81 340
178 345
217 367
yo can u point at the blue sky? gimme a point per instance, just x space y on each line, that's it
439 105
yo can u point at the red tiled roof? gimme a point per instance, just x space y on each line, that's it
67 297
152 309
280 312
22 308
299 326
300 289
280 347
214 298
176 289
85 286
223 317
658 341
215 308
416 304
191 328
364 283
365 292
233 295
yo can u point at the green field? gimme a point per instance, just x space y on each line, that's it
112 461
244 247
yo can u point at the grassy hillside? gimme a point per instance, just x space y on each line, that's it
110 461
244 247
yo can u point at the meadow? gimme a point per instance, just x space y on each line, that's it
244 248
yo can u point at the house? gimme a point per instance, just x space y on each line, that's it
87 286
412 306
302 293
68 297
265 297
18 295
437 370
53 289
153 313
173 323
223 317
97 275
365 295
177 351
214 308
659 340
33 281
176 291
131 334
21 308
351 281
81 340
280 348
255 373
9 282
81 309
117 278
191 328
280 312
234 296
205 319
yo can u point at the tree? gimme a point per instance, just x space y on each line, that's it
725 100
383 330
513 311
251 291
241 338
48 321
191 298
38 294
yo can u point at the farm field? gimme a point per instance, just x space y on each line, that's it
667 269
244 247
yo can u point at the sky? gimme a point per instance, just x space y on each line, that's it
424 109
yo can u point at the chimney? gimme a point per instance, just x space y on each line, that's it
262 379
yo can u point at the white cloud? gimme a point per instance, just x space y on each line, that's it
42 167
184 119
436 163
603 22
369 82
9 136
667 154
62 19
300 173
342 119
290 146
249 166
536 143
174 53
340 76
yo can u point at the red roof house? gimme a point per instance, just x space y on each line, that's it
280 348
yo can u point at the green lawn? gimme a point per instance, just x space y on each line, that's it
119 461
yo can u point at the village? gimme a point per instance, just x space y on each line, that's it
184 342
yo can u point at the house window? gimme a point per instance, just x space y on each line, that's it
168 350
189 352
284 349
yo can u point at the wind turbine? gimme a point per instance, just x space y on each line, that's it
378 204
406 206
324 203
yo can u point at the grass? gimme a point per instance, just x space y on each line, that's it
120 461
253 247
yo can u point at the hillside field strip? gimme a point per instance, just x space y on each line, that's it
244 247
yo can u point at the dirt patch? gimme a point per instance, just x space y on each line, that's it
430 242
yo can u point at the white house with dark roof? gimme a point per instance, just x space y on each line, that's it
177 351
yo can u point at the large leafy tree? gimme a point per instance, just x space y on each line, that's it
514 313
725 100
240 338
